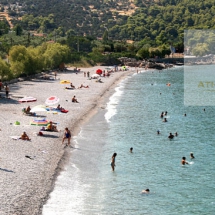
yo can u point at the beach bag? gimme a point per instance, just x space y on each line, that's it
17 123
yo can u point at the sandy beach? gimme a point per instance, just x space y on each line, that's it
26 183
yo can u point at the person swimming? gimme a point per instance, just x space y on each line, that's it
161 114
158 132
146 191
165 113
171 136
131 149
191 155
183 161
176 134
164 120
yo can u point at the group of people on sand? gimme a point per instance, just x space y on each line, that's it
50 127
72 87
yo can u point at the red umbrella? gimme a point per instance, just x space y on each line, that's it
99 71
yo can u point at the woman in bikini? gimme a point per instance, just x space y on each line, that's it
67 135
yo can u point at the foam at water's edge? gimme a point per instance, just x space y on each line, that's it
113 101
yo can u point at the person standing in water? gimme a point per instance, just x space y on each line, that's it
131 149
113 161
183 161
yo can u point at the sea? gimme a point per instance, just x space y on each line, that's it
131 118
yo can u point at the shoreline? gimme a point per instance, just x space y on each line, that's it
28 183
77 127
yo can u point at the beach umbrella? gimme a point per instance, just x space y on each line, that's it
99 71
65 82
52 100
28 99
39 108
39 122
95 76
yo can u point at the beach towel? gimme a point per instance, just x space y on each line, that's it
15 137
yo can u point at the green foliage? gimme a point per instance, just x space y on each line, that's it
200 42
18 30
160 21
201 49
4 70
30 60
4 27
143 52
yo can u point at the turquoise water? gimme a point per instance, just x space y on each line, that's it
131 119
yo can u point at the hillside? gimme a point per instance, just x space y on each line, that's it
161 21
89 17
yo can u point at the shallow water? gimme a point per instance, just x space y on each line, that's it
131 119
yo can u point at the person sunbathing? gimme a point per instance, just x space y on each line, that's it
24 136
59 107
82 86
51 127
72 86
74 100
27 111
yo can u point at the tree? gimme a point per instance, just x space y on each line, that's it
105 36
200 49
18 30
143 52
4 70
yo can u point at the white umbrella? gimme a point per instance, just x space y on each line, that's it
39 108
95 76
52 100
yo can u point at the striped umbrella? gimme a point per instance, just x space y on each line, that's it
39 122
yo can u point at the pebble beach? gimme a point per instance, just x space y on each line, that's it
29 168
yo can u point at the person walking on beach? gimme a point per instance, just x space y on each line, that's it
113 161
7 89
67 135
